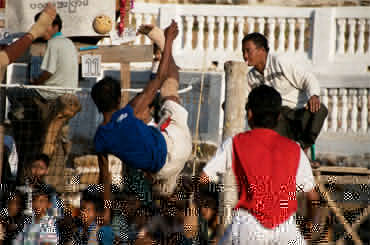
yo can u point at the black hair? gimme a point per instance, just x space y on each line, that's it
43 157
265 103
106 94
258 39
11 195
42 190
57 21
94 196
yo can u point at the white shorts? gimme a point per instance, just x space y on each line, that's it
179 146
245 229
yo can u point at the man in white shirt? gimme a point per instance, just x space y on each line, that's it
269 169
59 69
302 114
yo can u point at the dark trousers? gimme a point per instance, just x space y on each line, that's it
301 125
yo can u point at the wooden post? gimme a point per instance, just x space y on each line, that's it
125 67
234 122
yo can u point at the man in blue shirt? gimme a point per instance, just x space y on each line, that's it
125 134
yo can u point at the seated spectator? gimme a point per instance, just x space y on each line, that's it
42 229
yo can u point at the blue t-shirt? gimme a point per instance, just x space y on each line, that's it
131 140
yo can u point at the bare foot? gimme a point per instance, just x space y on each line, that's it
145 29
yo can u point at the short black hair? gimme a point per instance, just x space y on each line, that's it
265 103
42 190
43 157
93 195
106 94
57 21
258 39
11 195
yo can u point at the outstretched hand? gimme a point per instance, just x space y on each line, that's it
50 10
171 31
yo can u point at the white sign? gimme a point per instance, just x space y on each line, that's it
91 65
77 15
128 35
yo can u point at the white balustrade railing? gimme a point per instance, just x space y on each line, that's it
348 110
321 39
354 23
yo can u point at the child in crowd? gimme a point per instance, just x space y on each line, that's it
36 175
42 229
12 218
92 228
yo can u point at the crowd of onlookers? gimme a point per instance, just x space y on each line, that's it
36 214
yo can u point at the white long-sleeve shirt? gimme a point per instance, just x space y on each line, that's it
295 85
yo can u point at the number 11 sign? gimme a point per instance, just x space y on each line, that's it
91 65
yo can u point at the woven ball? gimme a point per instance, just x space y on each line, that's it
102 24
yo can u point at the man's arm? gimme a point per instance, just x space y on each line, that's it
16 49
143 100
105 178
306 81
45 75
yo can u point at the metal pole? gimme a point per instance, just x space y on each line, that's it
234 122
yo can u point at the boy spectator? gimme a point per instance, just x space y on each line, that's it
42 229
36 176
12 218
269 170
123 132
92 229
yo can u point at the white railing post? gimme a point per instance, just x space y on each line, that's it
200 39
361 37
354 111
333 92
341 35
364 110
271 37
282 22
323 46
230 33
251 22
302 25
240 21
291 42
351 38
179 42
261 25
211 32
344 115
189 19
220 37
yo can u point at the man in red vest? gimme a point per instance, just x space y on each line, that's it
269 170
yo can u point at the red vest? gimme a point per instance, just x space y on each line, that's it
265 165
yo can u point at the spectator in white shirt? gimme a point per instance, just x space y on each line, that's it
302 114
